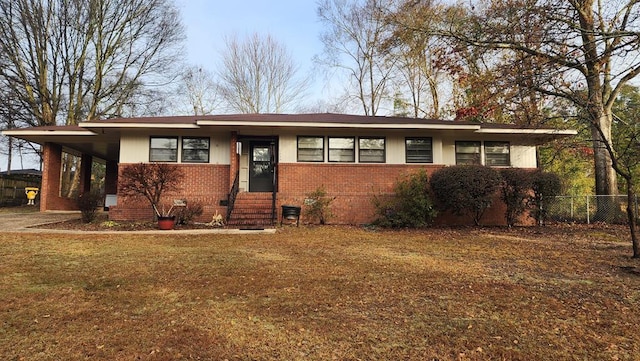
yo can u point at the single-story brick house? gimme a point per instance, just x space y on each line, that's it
270 160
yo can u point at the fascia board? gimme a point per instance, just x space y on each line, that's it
558 132
27 132
139 125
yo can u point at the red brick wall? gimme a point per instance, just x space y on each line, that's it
203 183
353 186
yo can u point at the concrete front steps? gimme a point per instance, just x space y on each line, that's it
252 210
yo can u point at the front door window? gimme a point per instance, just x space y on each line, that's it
261 169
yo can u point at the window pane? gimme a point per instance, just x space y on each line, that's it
371 150
163 149
310 149
195 143
418 150
261 154
195 150
342 150
341 155
163 155
497 154
467 153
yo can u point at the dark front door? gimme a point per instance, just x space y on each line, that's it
261 166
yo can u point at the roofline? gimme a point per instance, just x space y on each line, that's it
337 125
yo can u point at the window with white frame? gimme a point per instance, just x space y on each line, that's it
467 152
371 150
163 149
310 149
497 154
195 150
418 150
342 149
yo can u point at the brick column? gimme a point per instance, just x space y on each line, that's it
234 159
51 162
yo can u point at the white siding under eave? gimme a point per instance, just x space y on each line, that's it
134 148
523 156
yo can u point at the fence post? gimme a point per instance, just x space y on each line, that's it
587 209
571 198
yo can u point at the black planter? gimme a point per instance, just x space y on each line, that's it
290 213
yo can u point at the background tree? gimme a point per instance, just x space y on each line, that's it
580 51
625 153
258 75
68 61
199 88
418 59
353 37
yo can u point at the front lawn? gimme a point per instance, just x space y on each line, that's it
561 293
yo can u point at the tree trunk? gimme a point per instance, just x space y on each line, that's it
605 176
632 216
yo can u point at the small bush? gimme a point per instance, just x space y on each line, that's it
318 206
465 189
515 192
545 185
88 204
186 214
411 205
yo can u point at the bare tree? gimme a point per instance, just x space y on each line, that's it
258 75
201 91
72 60
352 41
418 58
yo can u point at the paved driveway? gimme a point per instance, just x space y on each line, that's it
21 221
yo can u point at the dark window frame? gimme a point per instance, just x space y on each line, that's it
478 156
487 155
341 161
208 149
406 149
384 150
151 138
298 148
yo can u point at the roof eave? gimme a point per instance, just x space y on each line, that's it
34 132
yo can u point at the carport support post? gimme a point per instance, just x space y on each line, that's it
85 173
50 188
111 178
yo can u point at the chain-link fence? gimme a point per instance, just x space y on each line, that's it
590 208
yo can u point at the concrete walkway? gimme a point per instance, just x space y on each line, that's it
23 222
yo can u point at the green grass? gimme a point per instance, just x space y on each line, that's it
323 293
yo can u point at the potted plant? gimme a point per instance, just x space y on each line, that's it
151 180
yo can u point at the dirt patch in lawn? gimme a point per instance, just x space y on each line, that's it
322 293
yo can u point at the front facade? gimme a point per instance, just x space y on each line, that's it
269 160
